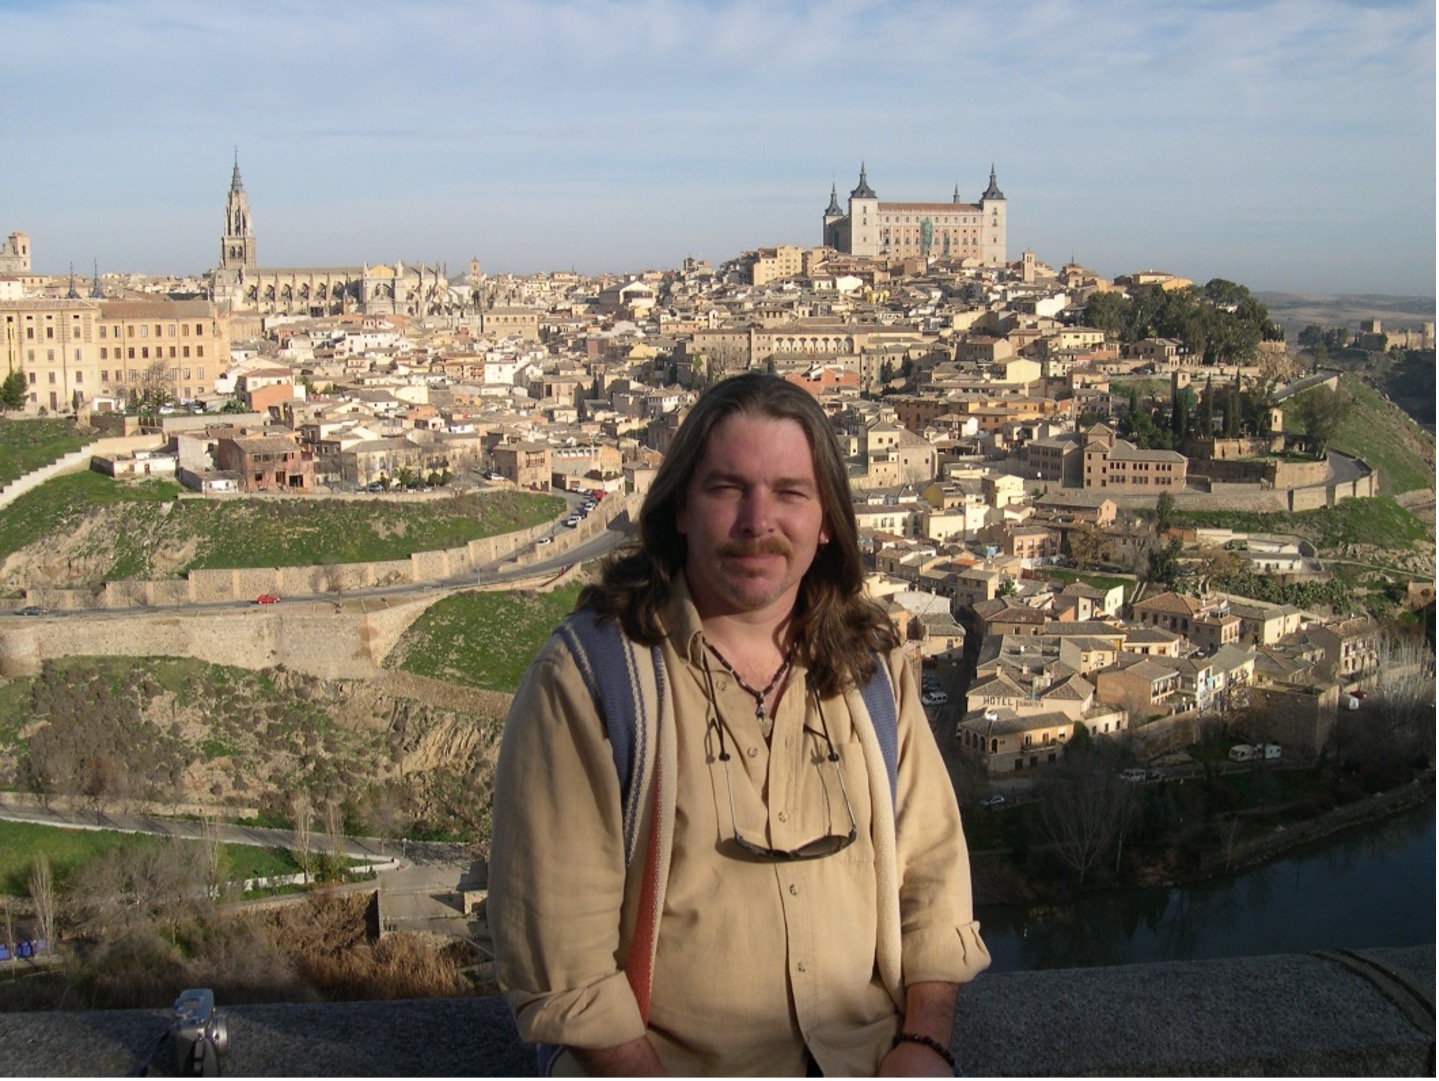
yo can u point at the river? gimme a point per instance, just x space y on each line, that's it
1369 886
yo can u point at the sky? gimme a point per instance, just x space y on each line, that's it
1288 145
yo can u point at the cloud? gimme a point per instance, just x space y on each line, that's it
704 117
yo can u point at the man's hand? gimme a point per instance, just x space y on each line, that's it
634 1059
928 1011
913 1060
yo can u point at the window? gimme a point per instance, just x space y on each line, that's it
199 329
130 352
185 351
32 378
199 350
144 331
79 378
144 352
30 333
184 330
130 331
75 330
199 373
102 331
50 333
104 375
171 330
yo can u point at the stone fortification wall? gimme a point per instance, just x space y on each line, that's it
238 584
345 641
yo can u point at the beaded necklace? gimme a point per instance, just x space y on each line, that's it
758 695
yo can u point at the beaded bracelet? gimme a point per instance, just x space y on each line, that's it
926 1041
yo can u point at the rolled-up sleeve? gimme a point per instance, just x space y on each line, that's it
557 873
939 935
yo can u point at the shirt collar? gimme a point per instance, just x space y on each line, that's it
682 620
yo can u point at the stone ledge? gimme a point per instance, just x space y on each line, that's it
1366 1013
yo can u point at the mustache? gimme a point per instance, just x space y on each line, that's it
765 546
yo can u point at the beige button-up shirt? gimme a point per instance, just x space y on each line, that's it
757 960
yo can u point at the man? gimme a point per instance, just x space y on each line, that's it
789 907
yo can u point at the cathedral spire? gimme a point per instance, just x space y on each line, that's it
236 184
833 210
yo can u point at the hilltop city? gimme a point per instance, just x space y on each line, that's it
1028 447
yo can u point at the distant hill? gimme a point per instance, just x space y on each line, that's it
1294 312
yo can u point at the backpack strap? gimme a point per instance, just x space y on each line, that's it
879 698
627 683
612 668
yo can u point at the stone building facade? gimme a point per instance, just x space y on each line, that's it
953 231
76 353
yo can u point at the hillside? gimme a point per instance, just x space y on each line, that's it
1379 432
1294 312
83 529
168 731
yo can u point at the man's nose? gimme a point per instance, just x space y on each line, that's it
756 513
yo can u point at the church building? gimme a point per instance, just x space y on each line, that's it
317 291
952 231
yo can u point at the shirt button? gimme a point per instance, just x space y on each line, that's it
754 752
783 816
794 890
801 967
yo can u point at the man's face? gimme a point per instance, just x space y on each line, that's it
752 517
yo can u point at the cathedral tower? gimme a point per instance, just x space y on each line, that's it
237 246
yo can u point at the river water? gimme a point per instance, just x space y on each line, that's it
1366 887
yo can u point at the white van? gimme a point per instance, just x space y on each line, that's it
1243 752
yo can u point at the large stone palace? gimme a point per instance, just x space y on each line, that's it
953 230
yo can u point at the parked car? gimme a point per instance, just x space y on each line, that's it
934 698
1134 775
545 540
31 610
992 801
572 521
267 598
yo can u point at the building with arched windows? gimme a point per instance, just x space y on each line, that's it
316 291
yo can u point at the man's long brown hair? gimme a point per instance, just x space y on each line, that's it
836 628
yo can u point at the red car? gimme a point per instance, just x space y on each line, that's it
267 598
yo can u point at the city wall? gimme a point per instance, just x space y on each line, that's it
516 549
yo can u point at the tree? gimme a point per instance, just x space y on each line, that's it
1164 511
42 893
156 388
1088 548
304 837
1164 562
12 390
1402 696
1321 411
1084 808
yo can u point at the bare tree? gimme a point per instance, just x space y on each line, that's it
212 854
1085 810
334 834
42 893
304 839
1402 693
